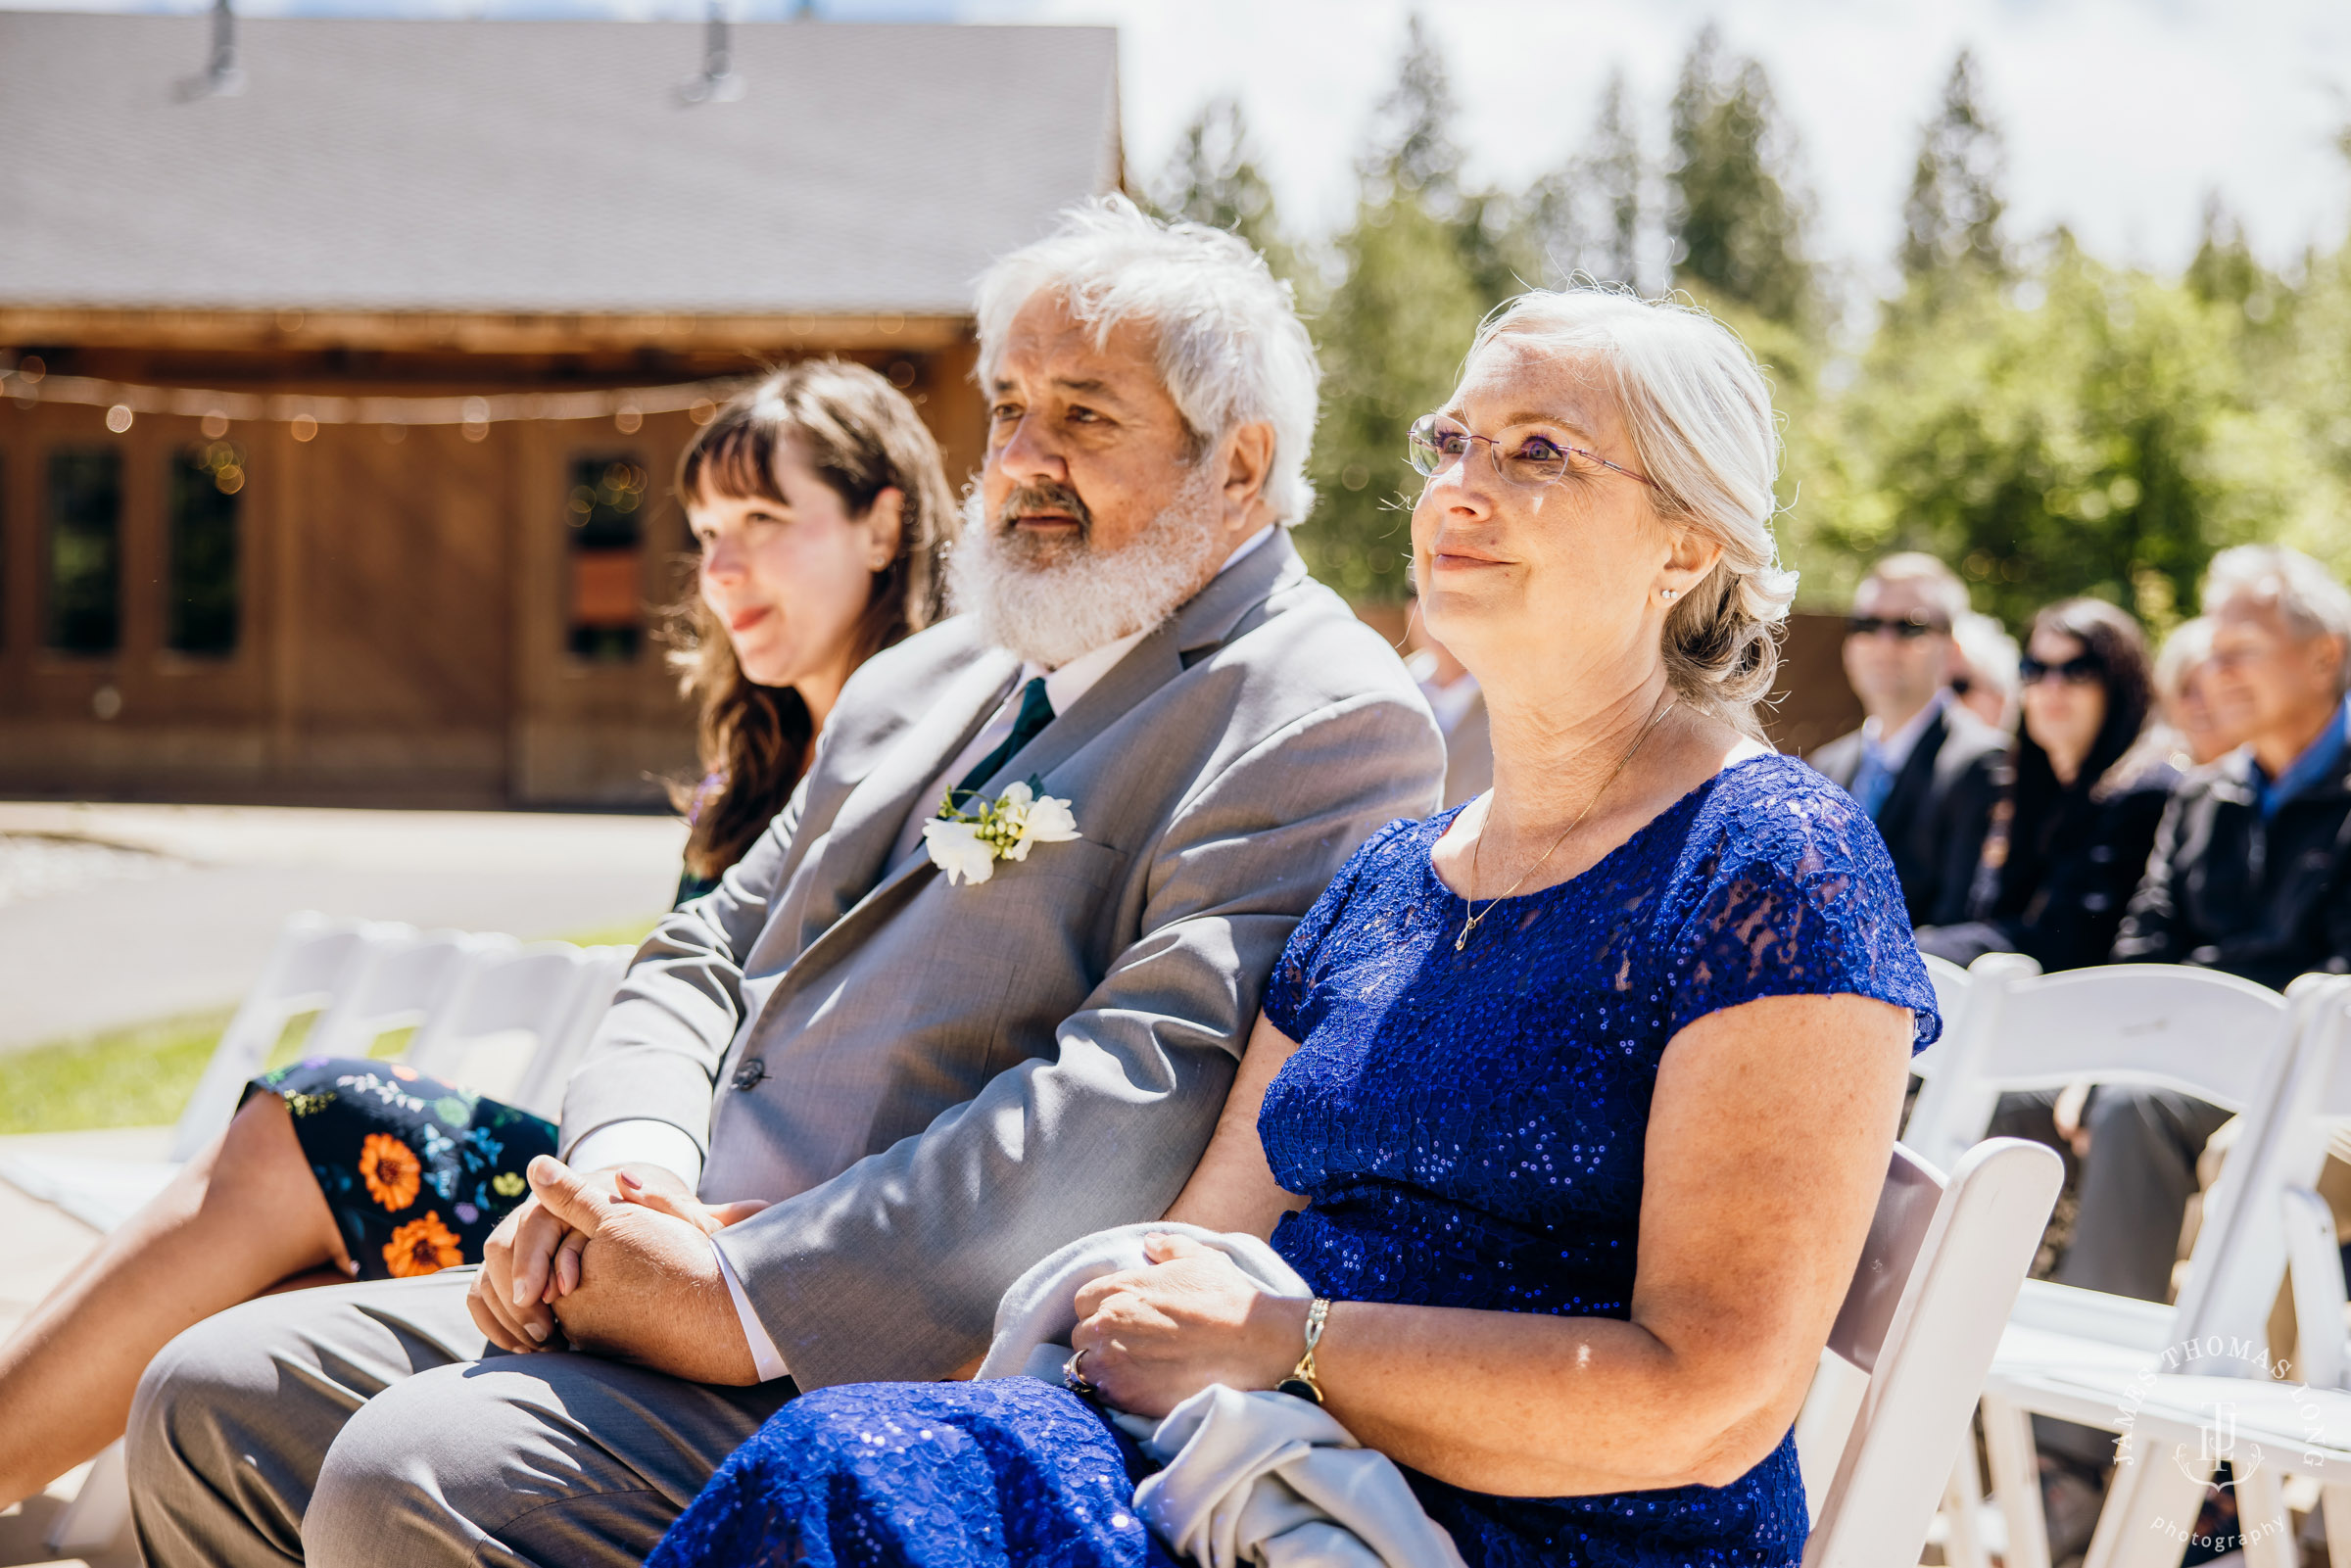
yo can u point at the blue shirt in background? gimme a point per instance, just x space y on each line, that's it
2320 760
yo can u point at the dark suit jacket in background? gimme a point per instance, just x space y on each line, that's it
1935 818
2225 889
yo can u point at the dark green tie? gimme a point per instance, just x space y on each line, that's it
1036 711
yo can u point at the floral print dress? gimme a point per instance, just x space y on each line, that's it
416 1171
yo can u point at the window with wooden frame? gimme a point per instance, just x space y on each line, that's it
605 569
84 551
202 605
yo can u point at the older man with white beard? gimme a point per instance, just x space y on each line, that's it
978 993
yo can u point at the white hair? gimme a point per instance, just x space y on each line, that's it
1702 423
1992 654
2304 594
1231 349
2188 645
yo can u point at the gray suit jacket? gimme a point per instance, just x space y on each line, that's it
940 1085
1470 754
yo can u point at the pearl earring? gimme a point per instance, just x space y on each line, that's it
1665 594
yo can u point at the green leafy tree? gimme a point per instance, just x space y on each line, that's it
1587 217
2092 431
1951 216
1421 265
1737 232
1213 179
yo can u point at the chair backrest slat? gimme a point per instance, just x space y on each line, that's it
532 991
540 1091
1967 1251
2197 1031
314 956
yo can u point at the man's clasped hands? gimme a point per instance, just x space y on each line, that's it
619 1262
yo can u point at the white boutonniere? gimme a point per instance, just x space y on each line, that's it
966 841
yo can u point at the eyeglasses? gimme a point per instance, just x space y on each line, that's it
1911 628
1435 443
2083 670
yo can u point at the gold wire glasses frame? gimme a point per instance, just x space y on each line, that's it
1435 441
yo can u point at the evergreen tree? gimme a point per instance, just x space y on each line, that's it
1213 179
1951 217
1737 232
2225 267
1422 265
1586 217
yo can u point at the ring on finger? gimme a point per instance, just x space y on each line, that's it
1075 1381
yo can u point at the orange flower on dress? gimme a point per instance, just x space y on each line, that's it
423 1247
391 1169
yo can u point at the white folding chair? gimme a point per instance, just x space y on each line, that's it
2185 1410
541 1089
503 1011
1922 1317
314 959
313 956
399 988
1952 987
2213 1035
2061 1340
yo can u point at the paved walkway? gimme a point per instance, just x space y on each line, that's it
120 914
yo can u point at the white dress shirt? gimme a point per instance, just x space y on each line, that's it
658 1143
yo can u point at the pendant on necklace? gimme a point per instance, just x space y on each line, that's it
1463 941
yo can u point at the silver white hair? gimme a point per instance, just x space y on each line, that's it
1700 413
2304 594
1231 349
1992 654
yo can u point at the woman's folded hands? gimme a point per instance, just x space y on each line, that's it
1151 1338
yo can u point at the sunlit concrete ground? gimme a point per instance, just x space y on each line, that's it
120 914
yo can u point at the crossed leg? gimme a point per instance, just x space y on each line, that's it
373 1424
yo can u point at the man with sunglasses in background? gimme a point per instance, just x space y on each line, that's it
1925 768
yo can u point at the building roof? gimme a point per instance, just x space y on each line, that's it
458 165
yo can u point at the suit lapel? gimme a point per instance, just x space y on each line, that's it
1914 786
850 899
857 848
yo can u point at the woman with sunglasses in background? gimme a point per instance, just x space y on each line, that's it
2072 828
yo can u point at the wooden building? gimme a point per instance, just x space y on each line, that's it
346 363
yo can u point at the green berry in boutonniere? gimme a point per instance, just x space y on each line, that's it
967 841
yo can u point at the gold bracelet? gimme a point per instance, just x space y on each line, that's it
1302 1382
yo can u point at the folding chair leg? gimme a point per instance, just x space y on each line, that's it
2267 1524
2016 1482
2151 1500
2334 1505
94 1521
1963 1541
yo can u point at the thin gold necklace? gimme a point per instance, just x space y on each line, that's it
1472 913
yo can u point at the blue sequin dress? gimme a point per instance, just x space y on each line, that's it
1470 1128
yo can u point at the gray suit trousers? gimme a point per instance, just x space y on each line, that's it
373 1424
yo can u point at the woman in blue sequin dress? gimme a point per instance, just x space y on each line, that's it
1574 1102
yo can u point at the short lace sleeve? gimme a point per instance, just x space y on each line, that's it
1792 894
1290 1002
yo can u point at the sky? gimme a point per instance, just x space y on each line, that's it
2121 115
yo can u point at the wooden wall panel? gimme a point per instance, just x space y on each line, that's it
402 608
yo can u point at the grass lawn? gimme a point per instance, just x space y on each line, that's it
141 1076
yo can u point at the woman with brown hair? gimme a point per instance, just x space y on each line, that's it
821 511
